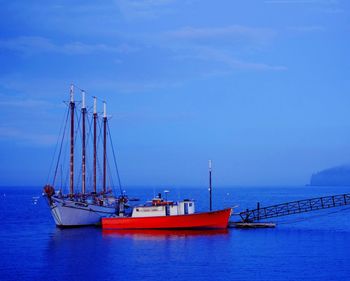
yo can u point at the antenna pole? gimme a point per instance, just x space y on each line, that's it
95 146
83 111
210 188
104 145
72 106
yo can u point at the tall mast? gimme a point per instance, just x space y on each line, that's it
72 106
95 147
210 187
83 112
104 145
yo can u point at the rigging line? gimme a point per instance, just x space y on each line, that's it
88 152
98 143
114 158
88 138
64 160
66 182
60 151
110 178
56 147
89 130
61 170
79 132
78 119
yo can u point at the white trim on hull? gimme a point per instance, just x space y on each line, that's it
71 213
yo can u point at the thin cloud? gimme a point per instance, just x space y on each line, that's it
226 59
131 86
214 46
28 103
294 1
316 2
144 9
17 87
13 134
237 31
307 29
33 44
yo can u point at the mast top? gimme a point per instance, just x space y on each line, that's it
104 110
72 93
209 162
83 105
95 105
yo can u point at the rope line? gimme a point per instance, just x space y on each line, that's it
115 161
60 151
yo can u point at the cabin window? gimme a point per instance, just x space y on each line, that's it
137 210
190 204
186 208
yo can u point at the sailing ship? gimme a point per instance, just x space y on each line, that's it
90 207
81 206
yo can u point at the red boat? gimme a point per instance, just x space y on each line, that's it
162 214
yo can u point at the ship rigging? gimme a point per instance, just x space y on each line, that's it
90 194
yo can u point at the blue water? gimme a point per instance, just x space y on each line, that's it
309 247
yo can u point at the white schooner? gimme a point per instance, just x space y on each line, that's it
84 204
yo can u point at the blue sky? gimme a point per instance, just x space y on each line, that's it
259 87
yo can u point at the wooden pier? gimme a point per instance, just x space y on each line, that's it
249 225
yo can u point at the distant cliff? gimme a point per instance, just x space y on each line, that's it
336 176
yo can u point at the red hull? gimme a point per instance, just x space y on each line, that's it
208 220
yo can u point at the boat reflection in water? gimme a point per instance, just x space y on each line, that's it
160 234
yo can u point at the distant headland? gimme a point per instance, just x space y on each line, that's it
335 176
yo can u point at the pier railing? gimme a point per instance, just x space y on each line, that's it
295 207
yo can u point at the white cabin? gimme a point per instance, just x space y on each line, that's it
159 208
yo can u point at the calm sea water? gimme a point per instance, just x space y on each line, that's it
310 247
